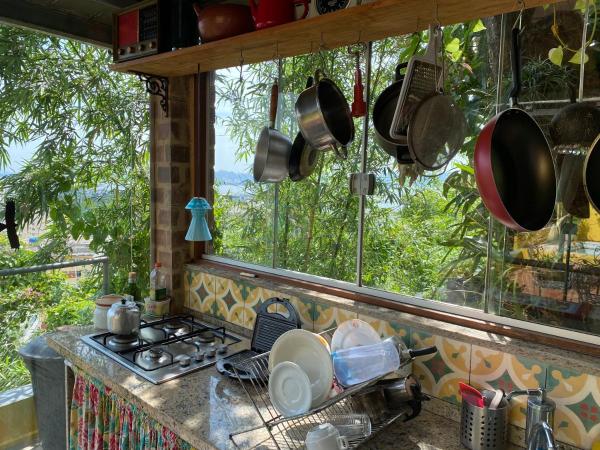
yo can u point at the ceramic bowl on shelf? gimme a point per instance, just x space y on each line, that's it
354 333
311 353
220 21
289 389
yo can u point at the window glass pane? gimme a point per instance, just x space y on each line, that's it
425 230
317 229
243 209
552 276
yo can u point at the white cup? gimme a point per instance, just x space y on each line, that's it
325 437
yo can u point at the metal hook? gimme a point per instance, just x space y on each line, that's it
276 55
437 16
519 18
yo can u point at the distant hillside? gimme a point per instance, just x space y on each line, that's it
234 178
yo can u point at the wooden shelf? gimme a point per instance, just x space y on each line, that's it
368 22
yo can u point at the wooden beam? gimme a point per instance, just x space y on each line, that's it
369 22
53 21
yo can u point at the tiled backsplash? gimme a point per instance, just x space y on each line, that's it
577 395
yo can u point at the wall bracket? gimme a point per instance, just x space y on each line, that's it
157 86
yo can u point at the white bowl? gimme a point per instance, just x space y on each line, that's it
354 333
289 389
311 353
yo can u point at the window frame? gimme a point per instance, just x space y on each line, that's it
564 338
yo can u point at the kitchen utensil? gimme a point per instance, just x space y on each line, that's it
570 190
484 428
352 426
272 149
471 395
269 13
325 437
540 408
498 396
123 318
268 326
289 389
436 131
221 21
591 169
383 114
311 354
514 169
324 117
371 402
401 390
422 79
303 157
353 333
574 127
359 107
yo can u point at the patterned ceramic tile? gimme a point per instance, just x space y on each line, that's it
327 317
230 300
577 397
201 291
388 328
440 373
493 369
306 310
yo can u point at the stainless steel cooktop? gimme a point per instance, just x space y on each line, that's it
169 348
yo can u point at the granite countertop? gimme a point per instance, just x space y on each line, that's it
204 407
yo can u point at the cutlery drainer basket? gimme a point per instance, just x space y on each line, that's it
484 428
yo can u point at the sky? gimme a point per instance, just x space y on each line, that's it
18 154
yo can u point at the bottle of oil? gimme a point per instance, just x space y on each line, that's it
158 283
132 288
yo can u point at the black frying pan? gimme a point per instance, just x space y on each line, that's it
383 114
514 169
303 157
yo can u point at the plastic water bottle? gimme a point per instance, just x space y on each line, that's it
358 364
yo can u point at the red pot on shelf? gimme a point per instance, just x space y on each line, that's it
217 22
269 13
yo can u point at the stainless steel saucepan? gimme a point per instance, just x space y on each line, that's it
324 116
272 157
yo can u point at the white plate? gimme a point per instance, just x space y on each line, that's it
289 389
354 333
311 353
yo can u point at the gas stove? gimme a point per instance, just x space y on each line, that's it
169 348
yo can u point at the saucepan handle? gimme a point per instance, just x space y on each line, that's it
422 351
341 153
273 104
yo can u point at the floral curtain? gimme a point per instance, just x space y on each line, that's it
100 420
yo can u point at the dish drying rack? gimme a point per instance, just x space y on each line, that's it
278 432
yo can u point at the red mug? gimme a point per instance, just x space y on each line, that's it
269 13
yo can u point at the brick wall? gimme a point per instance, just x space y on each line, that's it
171 166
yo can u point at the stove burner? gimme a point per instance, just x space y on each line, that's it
176 327
154 353
119 343
206 336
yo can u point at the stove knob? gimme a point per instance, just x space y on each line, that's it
198 356
222 349
210 352
185 361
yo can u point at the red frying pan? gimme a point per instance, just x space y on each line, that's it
514 169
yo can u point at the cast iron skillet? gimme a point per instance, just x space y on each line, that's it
514 169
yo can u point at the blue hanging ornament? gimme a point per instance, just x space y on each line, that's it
198 230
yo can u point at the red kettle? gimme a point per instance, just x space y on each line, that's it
269 13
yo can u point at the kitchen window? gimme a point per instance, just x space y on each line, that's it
425 234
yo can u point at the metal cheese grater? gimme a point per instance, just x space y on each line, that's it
267 328
422 79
